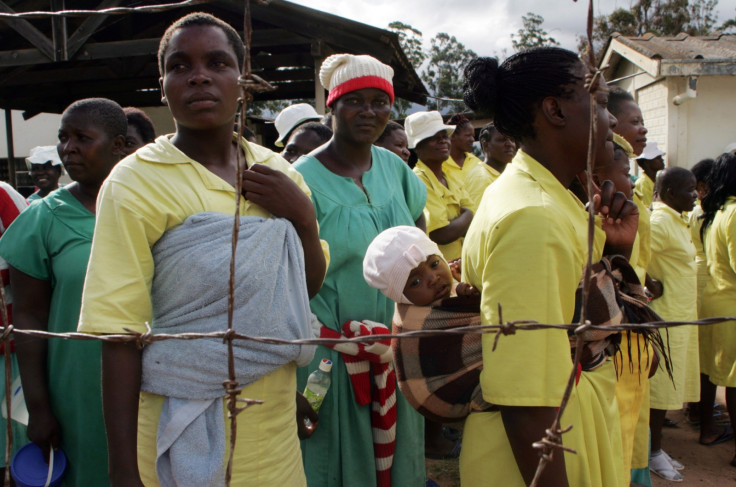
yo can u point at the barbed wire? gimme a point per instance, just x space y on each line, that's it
248 83
105 11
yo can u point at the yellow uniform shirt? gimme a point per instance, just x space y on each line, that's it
696 222
145 195
443 205
673 264
526 249
644 187
719 297
479 178
642 253
461 173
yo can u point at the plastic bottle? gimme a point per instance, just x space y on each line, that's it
317 385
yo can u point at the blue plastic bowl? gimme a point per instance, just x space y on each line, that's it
29 469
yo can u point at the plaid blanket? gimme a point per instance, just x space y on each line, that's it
439 376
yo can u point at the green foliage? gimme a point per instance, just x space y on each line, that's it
660 17
443 74
729 26
411 42
532 34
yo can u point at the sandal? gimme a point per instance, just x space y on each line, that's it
723 437
660 465
675 464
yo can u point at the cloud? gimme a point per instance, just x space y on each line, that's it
482 25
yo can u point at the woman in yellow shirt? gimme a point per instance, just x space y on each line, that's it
498 149
449 209
526 251
719 298
156 190
461 160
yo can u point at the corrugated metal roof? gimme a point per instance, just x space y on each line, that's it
716 48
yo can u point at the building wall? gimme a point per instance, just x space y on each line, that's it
711 118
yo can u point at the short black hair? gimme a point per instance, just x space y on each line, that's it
511 92
458 120
201 18
617 96
140 120
670 177
390 127
322 131
107 114
486 133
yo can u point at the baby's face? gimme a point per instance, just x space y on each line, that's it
429 281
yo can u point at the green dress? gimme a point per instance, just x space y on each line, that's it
340 453
51 241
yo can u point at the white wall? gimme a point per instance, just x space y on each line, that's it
39 130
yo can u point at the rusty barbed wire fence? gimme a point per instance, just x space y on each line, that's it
250 83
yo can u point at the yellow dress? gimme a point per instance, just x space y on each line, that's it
632 387
147 194
443 205
696 222
642 253
644 187
461 173
673 264
479 178
526 250
719 297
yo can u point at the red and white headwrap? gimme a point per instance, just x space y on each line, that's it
343 73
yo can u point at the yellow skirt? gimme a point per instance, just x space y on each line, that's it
596 436
632 396
684 354
267 449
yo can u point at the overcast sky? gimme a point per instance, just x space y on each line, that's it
485 26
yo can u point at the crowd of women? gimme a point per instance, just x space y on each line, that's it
146 240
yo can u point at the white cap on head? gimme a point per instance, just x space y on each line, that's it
343 73
42 154
292 116
423 125
651 151
391 257
731 148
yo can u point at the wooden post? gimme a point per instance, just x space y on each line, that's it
318 54
11 151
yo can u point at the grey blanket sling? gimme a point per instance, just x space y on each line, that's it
190 294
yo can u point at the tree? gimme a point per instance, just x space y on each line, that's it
660 17
410 40
532 34
443 74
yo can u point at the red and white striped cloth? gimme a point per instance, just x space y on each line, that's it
11 204
360 359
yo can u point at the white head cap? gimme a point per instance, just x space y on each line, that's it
731 147
42 155
391 257
343 73
651 151
292 116
423 125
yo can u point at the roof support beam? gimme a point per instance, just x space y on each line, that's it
30 33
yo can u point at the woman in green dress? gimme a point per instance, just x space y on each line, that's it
47 248
358 191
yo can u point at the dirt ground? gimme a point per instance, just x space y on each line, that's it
705 466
